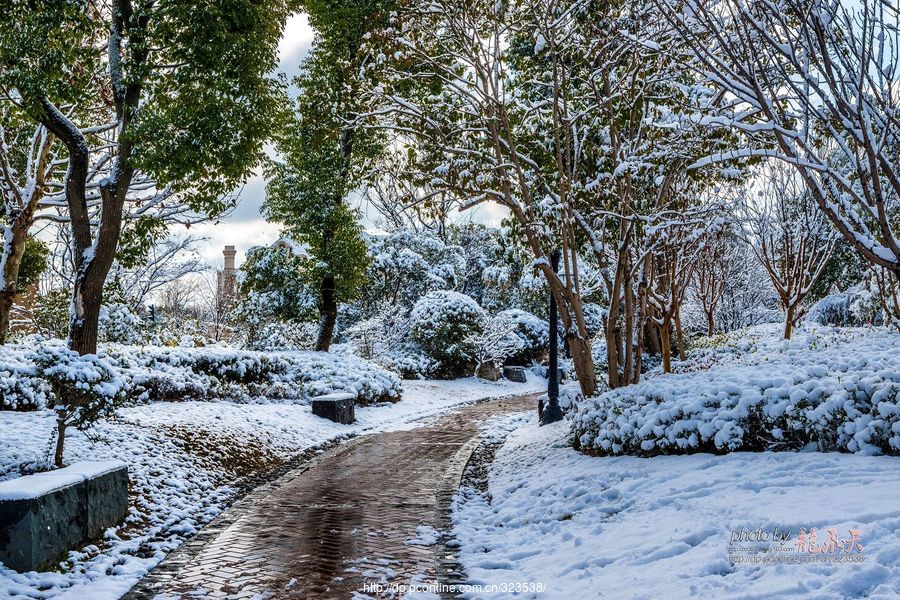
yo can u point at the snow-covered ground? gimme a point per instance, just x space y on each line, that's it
638 522
662 527
185 460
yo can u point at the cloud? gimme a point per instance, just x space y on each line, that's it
242 236
295 44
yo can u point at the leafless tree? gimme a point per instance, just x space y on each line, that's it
794 72
790 237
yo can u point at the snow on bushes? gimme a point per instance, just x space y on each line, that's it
91 386
533 331
440 323
838 390
29 380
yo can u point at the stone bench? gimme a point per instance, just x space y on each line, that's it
45 514
516 374
338 407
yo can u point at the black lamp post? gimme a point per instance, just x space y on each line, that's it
552 412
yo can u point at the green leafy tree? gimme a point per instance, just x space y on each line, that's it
325 153
274 287
178 92
181 91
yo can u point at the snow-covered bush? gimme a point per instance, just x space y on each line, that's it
88 386
407 264
410 361
21 386
120 325
280 335
441 322
533 331
833 309
495 342
246 375
836 389
594 319
153 373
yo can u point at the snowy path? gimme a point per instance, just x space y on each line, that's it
187 461
361 514
662 527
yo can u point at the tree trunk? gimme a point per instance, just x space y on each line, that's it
86 303
6 303
60 438
682 350
14 250
710 325
327 314
789 323
665 342
654 347
583 362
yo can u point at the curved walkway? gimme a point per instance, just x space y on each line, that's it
363 513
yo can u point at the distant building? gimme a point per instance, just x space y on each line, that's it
227 277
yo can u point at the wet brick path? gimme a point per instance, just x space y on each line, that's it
336 524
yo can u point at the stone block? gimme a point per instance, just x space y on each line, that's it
45 514
335 407
489 372
516 374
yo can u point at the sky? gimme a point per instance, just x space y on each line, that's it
245 227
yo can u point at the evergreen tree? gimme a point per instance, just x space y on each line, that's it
325 153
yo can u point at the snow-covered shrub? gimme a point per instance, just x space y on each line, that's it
120 325
441 322
21 387
495 342
31 380
406 264
245 375
534 333
410 361
280 335
86 387
833 309
837 389
594 319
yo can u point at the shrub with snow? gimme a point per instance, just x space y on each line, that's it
594 319
32 380
534 333
21 384
496 342
245 375
836 389
86 387
441 321
410 361
120 325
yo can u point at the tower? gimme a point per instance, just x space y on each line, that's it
228 276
